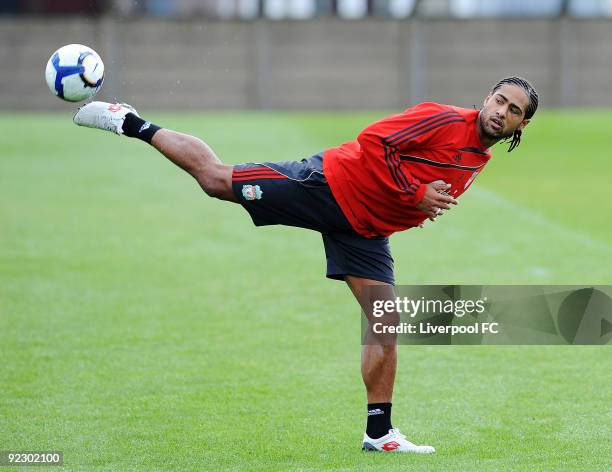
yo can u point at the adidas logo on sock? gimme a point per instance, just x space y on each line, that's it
375 411
146 125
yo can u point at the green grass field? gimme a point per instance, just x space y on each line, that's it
146 327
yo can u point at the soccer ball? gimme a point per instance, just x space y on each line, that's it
75 73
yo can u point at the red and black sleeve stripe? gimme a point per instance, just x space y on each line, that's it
392 142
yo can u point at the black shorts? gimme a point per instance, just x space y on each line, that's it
295 193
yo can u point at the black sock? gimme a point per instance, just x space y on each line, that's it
136 127
379 420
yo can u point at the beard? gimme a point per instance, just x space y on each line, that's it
490 133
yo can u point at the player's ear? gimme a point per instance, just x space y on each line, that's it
523 124
484 103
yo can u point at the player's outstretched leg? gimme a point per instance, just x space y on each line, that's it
188 152
378 367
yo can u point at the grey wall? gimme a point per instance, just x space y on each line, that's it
325 64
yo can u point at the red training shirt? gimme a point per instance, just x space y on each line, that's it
379 178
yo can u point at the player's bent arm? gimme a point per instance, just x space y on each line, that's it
418 127
387 138
425 197
374 146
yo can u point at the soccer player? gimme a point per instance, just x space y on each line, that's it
399 172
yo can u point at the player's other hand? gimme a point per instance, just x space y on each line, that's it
436 200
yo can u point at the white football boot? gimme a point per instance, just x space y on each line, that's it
102 115
394 442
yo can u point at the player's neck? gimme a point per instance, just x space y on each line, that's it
486 140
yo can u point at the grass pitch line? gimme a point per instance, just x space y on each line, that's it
539 220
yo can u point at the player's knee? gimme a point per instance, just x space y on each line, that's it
216 181
215 190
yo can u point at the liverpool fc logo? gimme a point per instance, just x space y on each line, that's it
251 192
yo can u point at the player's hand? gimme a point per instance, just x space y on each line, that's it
436 200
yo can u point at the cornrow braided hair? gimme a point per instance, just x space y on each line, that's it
531 93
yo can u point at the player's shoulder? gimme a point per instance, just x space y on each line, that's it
434 108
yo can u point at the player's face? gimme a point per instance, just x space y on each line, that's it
503 112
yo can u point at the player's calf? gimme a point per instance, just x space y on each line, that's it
188 152
197 158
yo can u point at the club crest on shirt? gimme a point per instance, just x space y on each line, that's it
252 192
457 157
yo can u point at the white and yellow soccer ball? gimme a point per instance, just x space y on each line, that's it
74 73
